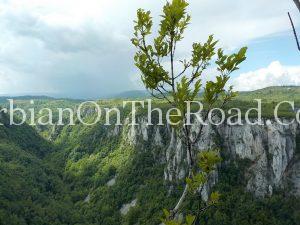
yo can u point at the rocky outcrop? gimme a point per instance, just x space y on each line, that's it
111 182
126 207
292 176
87 198
269 147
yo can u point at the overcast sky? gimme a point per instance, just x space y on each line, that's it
82 48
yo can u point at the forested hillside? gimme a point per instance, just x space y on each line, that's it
110 175
32 190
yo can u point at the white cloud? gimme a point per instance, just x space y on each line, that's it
275 74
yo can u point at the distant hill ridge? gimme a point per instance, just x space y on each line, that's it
273 93
3 99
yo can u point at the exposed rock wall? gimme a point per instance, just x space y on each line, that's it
270 147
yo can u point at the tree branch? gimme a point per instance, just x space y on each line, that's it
164 96
194 73
196 221
297 3
185 68
155 96
181 200
294 30
191 162
198 135
172 64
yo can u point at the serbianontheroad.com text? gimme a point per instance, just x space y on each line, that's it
68 116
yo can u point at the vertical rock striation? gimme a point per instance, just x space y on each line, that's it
270 148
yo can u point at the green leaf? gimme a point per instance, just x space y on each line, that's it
190 219
214 197
207 160
166 213
196 181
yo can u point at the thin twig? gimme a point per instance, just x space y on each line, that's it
164 96
155 96
294 30
200 66
185 68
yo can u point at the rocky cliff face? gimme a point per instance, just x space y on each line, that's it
271 149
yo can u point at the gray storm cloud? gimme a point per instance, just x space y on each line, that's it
82 49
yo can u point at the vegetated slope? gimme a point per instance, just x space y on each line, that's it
272 94
131 95
31 189
110 167
268 94
37 106
94 171
4 99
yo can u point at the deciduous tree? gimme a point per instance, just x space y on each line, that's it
182 87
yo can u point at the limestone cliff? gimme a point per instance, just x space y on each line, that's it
271 149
